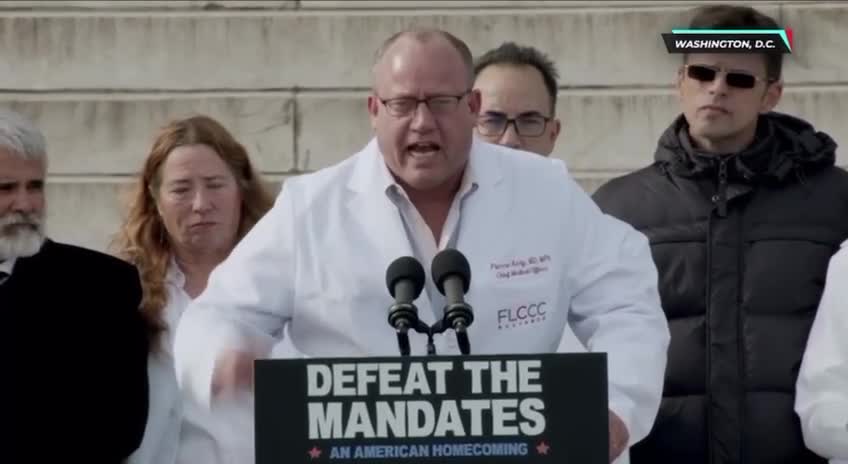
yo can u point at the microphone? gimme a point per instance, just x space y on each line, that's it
452 275
405 280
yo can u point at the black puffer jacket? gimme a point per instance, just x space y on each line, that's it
742 243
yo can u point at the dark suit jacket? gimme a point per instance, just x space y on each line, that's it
78 351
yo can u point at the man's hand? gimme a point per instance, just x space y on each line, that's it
618 436
233 373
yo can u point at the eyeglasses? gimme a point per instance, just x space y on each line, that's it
738 79
494 125
438 105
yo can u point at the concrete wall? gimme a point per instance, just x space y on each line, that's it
290 77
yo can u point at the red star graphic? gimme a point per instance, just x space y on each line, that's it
314 453
543 448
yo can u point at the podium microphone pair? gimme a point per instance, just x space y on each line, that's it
405 279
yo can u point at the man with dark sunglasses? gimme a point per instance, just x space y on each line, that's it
518 90
743 207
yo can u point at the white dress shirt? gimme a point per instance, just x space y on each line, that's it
313 268
822 390
6 269
425 246
180 431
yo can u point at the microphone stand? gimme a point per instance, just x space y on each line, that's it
437 328
403 317
431 347
455 317
462 338
459 316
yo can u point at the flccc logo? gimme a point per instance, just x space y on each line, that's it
533 313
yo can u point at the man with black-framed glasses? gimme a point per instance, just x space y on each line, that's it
743 207
518 87
518 95
310 278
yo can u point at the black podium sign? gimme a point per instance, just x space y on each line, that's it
549 408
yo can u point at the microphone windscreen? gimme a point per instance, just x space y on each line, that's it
405 268
450 262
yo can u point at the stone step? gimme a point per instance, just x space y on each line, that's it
109 135
216 5
607 131
89 212
209 5
332 50
603 130
485 5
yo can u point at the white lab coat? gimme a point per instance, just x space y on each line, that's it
822 391
315 266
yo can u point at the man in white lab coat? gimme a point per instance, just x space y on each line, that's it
821 399
313 269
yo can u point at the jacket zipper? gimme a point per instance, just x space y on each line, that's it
720 198
708 337
720 201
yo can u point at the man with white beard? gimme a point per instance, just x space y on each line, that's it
74 336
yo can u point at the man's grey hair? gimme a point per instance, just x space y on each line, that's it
424 35
21 137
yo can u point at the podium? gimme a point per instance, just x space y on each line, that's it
546 408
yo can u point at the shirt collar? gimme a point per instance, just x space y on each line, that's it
8 265
174 275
